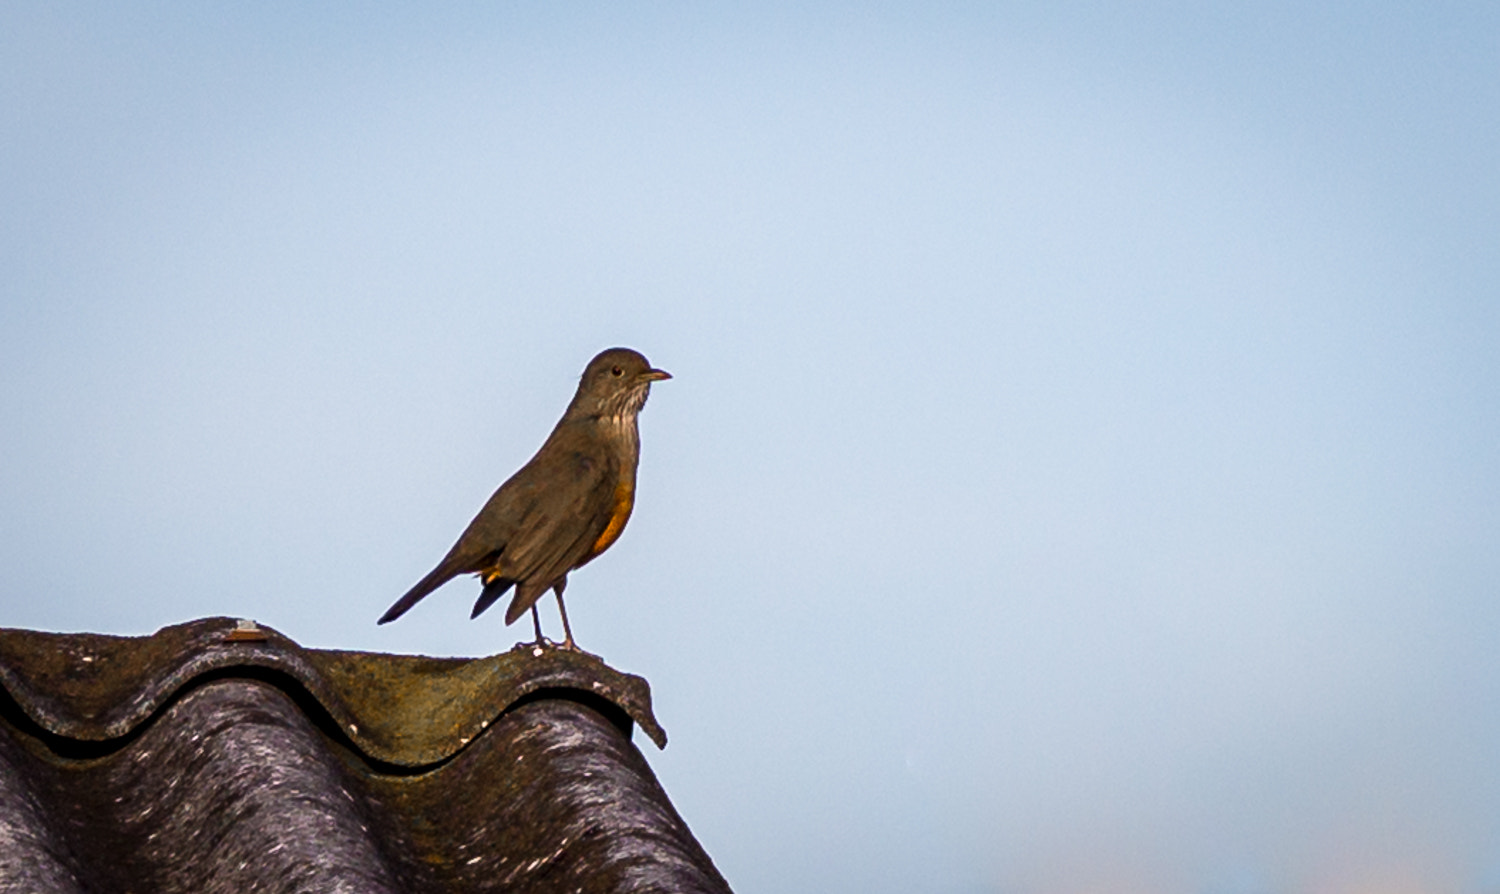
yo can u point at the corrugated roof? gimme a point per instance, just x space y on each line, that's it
208 758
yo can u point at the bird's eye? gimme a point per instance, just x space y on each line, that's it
617 372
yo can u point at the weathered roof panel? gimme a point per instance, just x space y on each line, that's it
183 762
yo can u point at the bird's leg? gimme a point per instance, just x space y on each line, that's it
536 619
567 631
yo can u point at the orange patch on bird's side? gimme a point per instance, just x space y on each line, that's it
624 502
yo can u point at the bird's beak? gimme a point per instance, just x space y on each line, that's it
655 375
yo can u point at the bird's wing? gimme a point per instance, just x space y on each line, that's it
552 568
536 525
560 529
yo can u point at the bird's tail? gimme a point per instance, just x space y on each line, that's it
434 579
492 591
526 597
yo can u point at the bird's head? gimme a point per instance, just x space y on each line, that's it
616 384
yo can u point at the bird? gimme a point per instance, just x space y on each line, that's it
568 504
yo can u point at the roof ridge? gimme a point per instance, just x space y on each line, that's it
403 713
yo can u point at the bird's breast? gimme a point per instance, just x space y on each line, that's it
624 501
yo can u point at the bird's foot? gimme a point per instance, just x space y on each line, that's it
568 645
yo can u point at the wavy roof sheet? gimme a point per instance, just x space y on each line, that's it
217 758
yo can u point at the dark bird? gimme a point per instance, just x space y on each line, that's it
564 507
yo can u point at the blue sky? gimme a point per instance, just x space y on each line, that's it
1079 473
